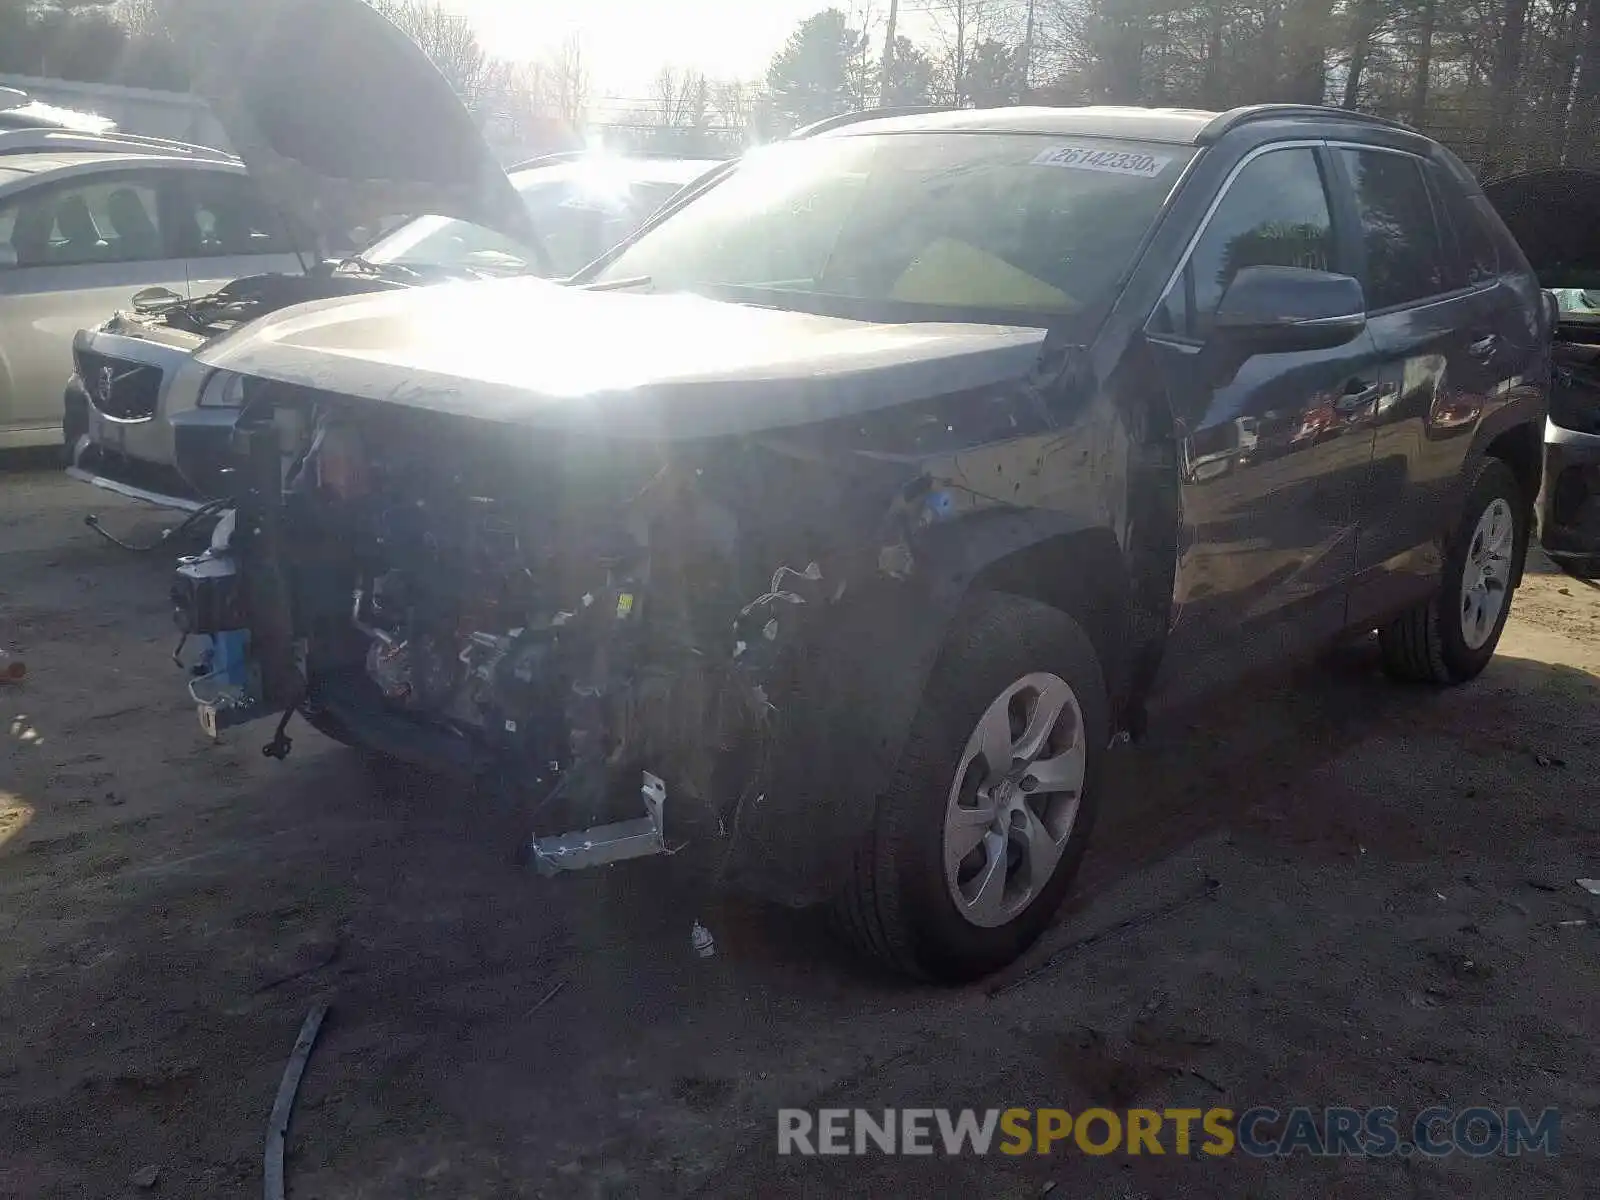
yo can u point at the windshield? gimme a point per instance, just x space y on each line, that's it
579 212
955 221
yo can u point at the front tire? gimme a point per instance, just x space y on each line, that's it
1451 638
980 833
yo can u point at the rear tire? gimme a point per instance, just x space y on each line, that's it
1451 638
916 900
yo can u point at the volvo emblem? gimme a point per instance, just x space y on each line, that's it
103 384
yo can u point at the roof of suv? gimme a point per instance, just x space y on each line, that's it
1180 126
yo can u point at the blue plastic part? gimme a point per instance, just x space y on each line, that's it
940 504
230 657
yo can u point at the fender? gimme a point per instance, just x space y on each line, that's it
851 693
1063 495
1513 432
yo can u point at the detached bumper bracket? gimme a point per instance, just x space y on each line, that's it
606 844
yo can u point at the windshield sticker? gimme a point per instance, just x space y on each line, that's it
1096 158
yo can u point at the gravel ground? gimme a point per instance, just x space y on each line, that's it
1392 871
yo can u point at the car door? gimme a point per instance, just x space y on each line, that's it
228 230
80 248
1271 451
1439 324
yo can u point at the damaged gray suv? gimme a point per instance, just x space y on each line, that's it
839 521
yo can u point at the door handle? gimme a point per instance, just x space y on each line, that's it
1358 394
1484 348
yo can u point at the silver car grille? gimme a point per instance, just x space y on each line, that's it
126 391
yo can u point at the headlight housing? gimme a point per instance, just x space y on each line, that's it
224 389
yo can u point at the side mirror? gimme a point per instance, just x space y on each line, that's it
1277 310
155 299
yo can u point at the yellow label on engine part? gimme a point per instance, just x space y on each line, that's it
624 605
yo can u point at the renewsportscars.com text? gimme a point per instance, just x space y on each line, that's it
1259 1132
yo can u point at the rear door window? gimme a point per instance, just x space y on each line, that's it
1275 213
1405 255
1467 230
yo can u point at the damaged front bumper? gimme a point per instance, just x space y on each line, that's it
836 669
602 845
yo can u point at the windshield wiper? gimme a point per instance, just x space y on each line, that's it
618 285
359 262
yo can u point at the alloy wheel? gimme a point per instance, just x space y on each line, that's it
1486 576
1014 799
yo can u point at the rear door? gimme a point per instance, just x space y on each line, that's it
1272 455
228 230
1439 325
82 247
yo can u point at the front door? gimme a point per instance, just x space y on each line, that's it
1272 451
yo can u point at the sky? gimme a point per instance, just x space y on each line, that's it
626 42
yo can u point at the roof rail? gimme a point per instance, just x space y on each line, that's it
32 141
1243 115
866 114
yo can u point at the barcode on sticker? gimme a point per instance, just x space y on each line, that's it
1113 162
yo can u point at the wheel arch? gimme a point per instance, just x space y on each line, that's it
846 705
1083 574
1520 446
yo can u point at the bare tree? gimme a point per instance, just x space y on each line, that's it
958 27
886 73
735 103
570 84
519 94
681 98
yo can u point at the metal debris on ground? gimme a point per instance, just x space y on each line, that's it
547 997
1545 760
145 1177
283 1105
704 945
1592 886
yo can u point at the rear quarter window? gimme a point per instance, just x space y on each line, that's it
1467 229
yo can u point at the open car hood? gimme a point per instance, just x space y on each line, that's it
341 118
1555 216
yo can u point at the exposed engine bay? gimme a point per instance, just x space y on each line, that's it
157 312
710 625
587 619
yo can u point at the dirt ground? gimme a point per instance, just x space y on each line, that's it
1391 923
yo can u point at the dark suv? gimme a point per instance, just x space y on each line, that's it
841 519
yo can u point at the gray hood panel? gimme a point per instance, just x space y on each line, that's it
1553 214
341 118
529 352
